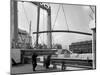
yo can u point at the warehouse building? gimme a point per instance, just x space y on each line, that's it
81 47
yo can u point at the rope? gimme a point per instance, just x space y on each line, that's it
65 17
56 17
93 12
25 13
92 9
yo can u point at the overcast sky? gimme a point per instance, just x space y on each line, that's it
77 19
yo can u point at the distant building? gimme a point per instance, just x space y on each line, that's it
24 39
81 47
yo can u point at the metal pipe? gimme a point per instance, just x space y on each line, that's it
38 18
77 32
14 22
49 35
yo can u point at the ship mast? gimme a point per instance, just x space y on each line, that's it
14 22
49 35
38 18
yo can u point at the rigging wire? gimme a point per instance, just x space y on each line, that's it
56 17
25 13
92 9
91 15
65 17
54 23
93 12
